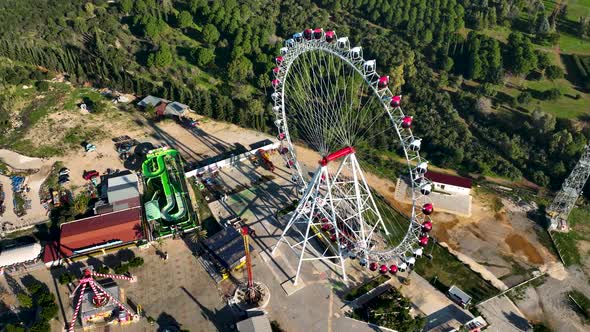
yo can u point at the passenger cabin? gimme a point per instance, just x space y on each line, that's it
459 296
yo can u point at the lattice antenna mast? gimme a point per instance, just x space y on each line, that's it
571 189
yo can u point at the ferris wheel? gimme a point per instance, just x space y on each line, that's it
328 98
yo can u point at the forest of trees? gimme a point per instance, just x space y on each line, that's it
141 46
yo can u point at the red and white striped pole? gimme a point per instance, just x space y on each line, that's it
73 322
114 299
96 292
113 276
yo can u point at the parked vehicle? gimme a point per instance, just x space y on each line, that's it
90 174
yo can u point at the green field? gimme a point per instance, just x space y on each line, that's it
577 8
445 270
573 44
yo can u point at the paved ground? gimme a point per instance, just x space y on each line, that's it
456 204
174 292
503 315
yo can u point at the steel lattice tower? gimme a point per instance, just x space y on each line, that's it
570 191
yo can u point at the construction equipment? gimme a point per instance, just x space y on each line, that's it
266 158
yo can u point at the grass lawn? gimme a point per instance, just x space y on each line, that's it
445 270
564 107
577 8
206 218
573 44
581 301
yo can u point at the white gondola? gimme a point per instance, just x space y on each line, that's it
422 168
284 50
343 43
418 252
275 96
356 53
276 109
369 66
289 43
415 145
402 267
278 122
426 189
411 262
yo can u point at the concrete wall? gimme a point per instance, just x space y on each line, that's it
451 189
229 161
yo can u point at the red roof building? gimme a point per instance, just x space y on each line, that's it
452 180
95 233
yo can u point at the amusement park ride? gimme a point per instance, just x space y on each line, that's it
333 100
101 297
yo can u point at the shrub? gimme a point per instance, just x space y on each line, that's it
551 94
121 269
25 300
524 97
553 72
136 262
103 269
42 86
65 278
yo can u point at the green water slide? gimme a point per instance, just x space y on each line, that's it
163 173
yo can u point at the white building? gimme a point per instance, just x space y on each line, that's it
450 184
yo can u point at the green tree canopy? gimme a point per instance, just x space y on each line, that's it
210 34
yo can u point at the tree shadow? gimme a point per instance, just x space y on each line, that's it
224 319
125 255
167 322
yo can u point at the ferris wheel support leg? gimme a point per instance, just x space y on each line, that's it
333 213
302 254
368 189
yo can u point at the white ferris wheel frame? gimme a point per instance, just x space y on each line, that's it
340 47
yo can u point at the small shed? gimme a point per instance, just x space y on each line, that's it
227 246
151 100
459 296
176 108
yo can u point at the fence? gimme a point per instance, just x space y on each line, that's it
229 161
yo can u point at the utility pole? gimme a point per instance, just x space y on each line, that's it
571 189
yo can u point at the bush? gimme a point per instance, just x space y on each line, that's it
524 98
121 269
25 300
136 262
49 311
103 269
41 326
553 72
65 278
552 94
42 86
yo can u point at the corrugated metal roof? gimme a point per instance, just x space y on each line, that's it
464 297
151 100
228 246
20 254
124 225
122 187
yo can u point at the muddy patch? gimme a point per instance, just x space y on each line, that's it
441 232
517 243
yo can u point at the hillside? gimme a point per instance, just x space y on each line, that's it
491 96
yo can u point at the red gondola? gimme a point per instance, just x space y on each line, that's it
307 34
373 266
393 269
281 136
333 238
407 122
383 269
427 209
383 81
279 60
317 33
427 226
330 36
396 101
275 83
276 70
423 241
